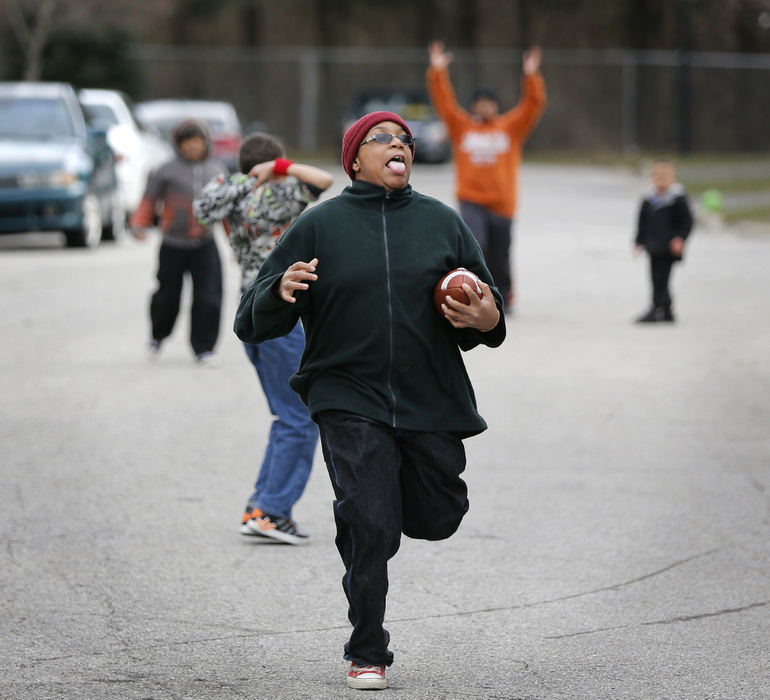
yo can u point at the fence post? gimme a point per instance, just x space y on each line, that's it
309 81
629 136
684 78
684 83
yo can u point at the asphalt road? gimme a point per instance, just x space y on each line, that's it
617 544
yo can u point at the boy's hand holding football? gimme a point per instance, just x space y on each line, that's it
481 313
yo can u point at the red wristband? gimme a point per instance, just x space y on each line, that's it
281 166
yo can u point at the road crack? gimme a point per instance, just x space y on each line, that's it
667 621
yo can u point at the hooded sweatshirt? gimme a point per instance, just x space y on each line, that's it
375 344
487 154
172 187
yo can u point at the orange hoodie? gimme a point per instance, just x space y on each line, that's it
487 154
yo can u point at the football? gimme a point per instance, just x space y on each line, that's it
451 284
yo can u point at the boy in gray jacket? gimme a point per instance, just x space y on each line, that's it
188 247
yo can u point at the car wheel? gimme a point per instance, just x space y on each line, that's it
115 229
89 233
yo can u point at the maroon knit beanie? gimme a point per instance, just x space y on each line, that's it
355 134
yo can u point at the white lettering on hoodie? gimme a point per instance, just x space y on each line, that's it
483 147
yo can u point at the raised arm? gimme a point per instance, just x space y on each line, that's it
440 88
524 116
309 174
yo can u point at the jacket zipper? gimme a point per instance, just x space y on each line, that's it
390 310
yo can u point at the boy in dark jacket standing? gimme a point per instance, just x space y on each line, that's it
665 221
382 373
188 246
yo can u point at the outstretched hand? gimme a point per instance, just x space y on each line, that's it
439 57
481 313
294 279
532 60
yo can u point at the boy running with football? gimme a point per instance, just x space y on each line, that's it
382 372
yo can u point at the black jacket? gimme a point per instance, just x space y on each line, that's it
662 218
375 344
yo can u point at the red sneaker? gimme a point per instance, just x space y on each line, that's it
367 677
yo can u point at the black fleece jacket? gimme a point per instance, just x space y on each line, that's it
375 344
662 218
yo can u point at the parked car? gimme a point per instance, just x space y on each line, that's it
138 148
56 174
431 138
220 116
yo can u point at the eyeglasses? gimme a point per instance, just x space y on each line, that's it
385 139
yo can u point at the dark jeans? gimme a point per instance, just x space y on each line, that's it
386 481
660 272
205 269
493 233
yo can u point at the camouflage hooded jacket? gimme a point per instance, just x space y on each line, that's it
254 218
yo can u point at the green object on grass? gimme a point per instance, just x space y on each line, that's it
712 200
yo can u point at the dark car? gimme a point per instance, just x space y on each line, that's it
432 143
56 174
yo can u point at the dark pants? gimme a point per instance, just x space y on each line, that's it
386 481
493 233
206 272
660 272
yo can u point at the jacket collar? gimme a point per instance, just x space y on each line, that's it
362 191
665 198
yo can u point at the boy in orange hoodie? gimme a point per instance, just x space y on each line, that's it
487 152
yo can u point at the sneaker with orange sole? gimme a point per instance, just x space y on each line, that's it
249 515
281 529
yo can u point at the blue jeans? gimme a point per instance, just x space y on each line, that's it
293 435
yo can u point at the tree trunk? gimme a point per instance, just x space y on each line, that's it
33 40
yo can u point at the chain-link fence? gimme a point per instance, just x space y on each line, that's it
611 100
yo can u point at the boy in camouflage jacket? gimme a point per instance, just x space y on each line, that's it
256 206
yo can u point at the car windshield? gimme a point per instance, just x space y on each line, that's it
35 118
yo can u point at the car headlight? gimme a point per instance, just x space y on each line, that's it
55 178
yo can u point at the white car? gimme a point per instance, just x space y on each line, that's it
138 148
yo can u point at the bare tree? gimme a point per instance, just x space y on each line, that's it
31 24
